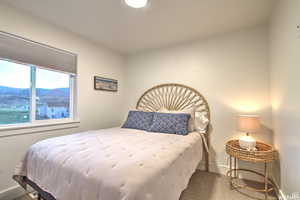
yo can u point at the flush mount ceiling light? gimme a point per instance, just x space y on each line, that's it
137 3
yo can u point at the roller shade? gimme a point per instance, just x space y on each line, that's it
16 48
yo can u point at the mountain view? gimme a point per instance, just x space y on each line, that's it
50 104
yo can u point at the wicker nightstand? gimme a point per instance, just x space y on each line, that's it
264 154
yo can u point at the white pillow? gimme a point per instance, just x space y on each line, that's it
201 122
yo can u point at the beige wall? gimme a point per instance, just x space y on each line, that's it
285 71
97 109
230 70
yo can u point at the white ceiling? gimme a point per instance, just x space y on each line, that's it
164 22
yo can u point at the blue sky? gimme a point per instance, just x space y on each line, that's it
18 76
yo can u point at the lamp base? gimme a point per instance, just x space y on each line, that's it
247 142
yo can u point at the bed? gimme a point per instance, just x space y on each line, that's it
119 163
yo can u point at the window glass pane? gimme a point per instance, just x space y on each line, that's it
52 95
14 93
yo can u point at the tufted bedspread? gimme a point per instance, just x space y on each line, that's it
113 164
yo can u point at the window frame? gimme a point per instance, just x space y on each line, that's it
33 122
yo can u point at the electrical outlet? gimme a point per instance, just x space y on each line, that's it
298 31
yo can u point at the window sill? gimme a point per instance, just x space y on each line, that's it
21 129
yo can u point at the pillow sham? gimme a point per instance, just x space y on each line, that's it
190 111
173 123
138 120
201 122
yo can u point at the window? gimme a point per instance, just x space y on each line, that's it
52 95
14 93
30 94
37 83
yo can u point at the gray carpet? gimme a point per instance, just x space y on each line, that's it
210 186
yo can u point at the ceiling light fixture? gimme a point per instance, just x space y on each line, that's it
136 3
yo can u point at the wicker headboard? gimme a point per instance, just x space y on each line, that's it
173 96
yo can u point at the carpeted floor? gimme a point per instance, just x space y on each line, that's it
210 186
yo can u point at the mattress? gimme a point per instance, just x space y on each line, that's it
113 164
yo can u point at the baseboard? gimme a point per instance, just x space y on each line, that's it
215 168
12 193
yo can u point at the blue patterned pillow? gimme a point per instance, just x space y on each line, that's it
170 123
139 120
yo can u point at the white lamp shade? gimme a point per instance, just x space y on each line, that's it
248 123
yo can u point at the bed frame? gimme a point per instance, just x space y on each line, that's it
172 96
176 97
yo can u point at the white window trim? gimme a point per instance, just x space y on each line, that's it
52 124
31 125
32 94
29 128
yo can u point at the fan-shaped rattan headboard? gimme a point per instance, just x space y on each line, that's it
173 96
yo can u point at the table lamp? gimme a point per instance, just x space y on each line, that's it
248 124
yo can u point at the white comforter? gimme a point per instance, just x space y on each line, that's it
113 164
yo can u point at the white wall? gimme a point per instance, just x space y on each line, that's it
97 109
285 71
230 70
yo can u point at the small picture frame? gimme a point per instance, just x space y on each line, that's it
105 84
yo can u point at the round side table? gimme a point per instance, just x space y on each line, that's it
263 154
